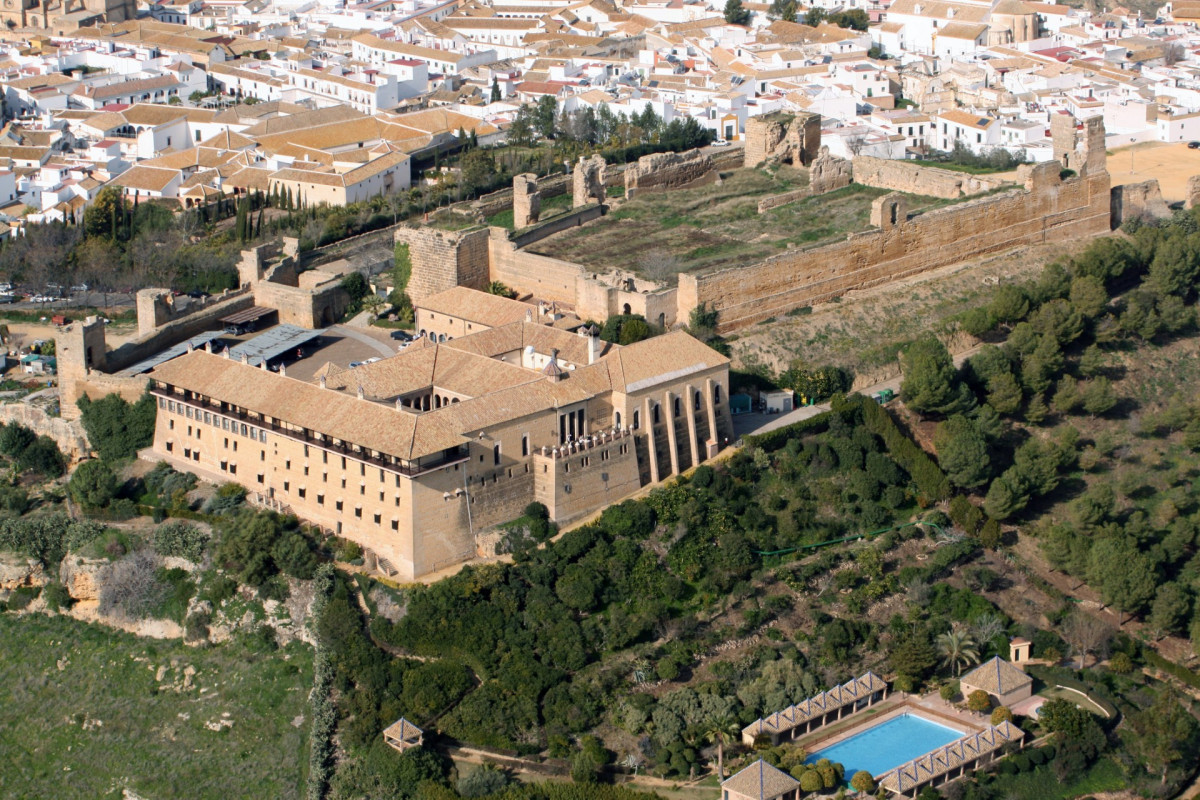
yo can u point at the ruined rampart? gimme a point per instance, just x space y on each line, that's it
544 277
570 219
1047 208
667 171
902 176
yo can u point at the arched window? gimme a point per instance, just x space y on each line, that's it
626 310
637 420
657 415
717 394
617 420
696 401
678 407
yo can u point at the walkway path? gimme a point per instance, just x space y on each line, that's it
380 347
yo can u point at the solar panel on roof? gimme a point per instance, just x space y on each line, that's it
272 343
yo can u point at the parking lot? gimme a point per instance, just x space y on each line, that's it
342 345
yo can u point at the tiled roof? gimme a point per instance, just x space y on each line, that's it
761 781
920 771
850 692
996 677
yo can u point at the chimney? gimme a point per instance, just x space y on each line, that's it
191 347
361 394
208 346
225 352
245 358
262 364
322 381
283 370
399 405
591 345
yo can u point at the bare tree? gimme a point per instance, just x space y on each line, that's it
660 266
1173 54
987 627
129 588
1085 634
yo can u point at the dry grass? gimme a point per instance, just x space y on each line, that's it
715 226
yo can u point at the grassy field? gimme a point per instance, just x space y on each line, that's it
90 711
718 225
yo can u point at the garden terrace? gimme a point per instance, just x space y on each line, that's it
718 225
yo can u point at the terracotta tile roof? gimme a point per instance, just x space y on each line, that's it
475 306
152 179
908 777
761 781
996 677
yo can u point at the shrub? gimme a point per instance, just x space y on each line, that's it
979 701
116 428
181 540
43 457
93 484
481 781
56 596
21 597
1001 714
130 588
1121 663
227 501
15 438
862 782
949 691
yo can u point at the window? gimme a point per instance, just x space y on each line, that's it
339 505
207 418
170 446
233 469
260 477
358 511
717 395
525 445
395 524
287 485
188 411
496 454
696 401
378 519
657 414
300 491
162 402
320 499
677 407
170 424
636 420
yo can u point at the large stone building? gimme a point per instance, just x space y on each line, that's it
415 455
64 13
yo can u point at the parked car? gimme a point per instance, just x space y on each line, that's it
721 143
372 360
402 336
354 364
8 298
1193 145
83 287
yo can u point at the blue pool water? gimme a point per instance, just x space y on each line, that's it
888 745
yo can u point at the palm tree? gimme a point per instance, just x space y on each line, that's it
720 730
958 650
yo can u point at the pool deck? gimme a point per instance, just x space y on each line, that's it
932 708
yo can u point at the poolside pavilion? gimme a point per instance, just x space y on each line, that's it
819 710
950 762
1005 683
760 781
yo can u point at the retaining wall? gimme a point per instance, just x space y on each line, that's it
67 434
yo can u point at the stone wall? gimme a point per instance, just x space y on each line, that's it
584 478
442 260
544 277
587 181
783 137
67 434
1138 201
667 171
527 202
1047 208
571 219
1193 192
829 173
158 307
901 176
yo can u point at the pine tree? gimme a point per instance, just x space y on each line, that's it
258 227
495 90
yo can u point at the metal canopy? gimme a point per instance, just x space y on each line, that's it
272 343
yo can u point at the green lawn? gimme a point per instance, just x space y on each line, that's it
86 715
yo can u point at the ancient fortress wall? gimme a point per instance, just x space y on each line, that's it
901 176
67 434
544 277
667 171
442 260
1048 208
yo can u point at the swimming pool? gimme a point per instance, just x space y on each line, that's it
888 745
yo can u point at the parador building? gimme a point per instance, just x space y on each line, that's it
416 456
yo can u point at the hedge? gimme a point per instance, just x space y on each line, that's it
926 474
1053 677
776 439
1151 657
